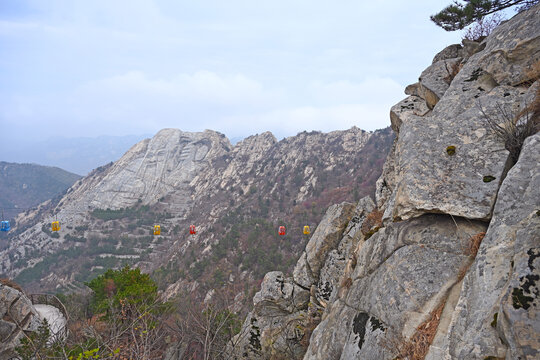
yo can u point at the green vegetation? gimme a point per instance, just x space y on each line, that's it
121 288
86 260
26 185
108 214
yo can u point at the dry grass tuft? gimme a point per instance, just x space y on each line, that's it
417 347
473 244
452 71
373 221
12 284
346 283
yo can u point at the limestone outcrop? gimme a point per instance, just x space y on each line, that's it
447 265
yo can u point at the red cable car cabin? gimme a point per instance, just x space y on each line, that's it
282 230
192 229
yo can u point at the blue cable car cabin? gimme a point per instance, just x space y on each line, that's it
4 225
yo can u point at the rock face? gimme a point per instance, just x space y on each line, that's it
17 316
497 313
440 166
286 309
451 268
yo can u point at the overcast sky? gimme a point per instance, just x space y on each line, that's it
103 67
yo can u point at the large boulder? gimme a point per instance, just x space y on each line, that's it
17 317
498 310
403 273
324 239
334 270
449 161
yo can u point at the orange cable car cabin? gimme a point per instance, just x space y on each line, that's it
157 230
306 230
282 230
55 226
192 229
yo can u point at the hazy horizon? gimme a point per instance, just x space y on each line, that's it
82 70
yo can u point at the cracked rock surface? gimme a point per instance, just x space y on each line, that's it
452 272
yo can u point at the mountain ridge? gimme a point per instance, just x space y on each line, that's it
177 178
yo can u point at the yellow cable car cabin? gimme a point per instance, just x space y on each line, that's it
306 230
55 226
157 230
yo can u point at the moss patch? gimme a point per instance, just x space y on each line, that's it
520 300
451 150
488 178
255 335
376 324
359 327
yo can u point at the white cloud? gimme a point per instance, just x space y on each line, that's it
235 104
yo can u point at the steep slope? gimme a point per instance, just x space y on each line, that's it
446 266
236 195
23 186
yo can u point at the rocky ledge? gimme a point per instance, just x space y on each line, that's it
447 264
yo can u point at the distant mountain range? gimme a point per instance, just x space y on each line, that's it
236 195
23 186
78 155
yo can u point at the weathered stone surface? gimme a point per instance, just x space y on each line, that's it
17 315
442 180
512 49
425 169
441 166
413 89
153 168
506 267
435 80
403 272
330 336
324 239
279 295
449 52
334 268
471 47
409 107
387 182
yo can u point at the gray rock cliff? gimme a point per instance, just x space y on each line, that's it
17 317
447 265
